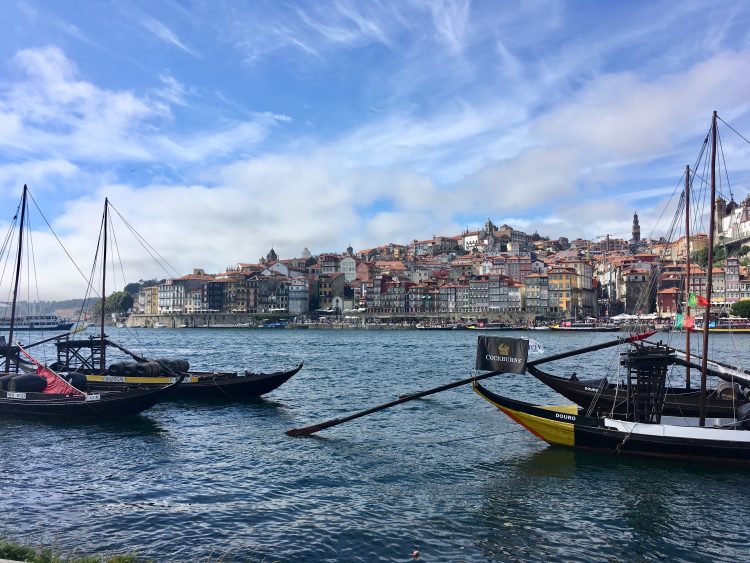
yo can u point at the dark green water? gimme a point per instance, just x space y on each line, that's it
448 475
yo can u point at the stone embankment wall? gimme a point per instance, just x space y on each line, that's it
217 320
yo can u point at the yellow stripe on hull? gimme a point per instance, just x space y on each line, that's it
551 431
128 379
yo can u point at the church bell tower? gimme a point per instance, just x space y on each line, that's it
636 229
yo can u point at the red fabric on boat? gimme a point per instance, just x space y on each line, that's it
55 383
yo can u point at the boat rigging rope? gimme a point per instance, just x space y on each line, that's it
602 385
75 265
624 440
220 388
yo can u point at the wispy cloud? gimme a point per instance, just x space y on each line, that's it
36 173
342 22
451 21
55 112
165 34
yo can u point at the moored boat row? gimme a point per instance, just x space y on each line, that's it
81 383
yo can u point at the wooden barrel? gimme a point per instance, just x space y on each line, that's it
116 369
167 366
148 369
76 379
5 379
27 383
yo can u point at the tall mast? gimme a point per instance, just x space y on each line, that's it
18 276
687 273
709 277
102 360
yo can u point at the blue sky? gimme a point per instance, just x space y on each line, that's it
220 129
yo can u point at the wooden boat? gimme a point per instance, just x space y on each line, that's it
640 428
89 357
483 325
201 385
50 395
566 426
102 404
195 384
584 327
456 326
602 396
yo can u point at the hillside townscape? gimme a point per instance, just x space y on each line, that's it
494 272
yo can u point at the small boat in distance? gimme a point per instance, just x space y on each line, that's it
485 325
584 327
37 322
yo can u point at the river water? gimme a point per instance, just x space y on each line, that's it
449 475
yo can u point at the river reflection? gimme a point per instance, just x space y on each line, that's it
450 476
562 501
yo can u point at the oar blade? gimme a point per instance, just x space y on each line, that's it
312 429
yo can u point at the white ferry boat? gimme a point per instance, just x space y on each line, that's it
37 322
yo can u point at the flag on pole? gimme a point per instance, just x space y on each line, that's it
692 301
678 320
508 355
688 322
535 347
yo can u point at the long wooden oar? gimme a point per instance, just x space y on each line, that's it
307 430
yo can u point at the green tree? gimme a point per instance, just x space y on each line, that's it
133 288
119 302
700 257
741 309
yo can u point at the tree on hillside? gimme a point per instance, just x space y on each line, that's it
119 303
741 309
700 257
133 288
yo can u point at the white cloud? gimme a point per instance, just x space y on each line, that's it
55 112
451 21
165 34
34 173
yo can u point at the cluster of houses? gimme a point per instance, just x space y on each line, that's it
492 272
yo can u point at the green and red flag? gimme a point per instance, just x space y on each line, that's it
678 320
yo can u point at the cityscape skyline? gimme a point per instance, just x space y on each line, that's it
220 125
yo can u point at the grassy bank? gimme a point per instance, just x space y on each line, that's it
19 552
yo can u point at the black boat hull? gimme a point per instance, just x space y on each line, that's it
109 404
199 385
560 427
611 398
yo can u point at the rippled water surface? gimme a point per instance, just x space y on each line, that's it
448 475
